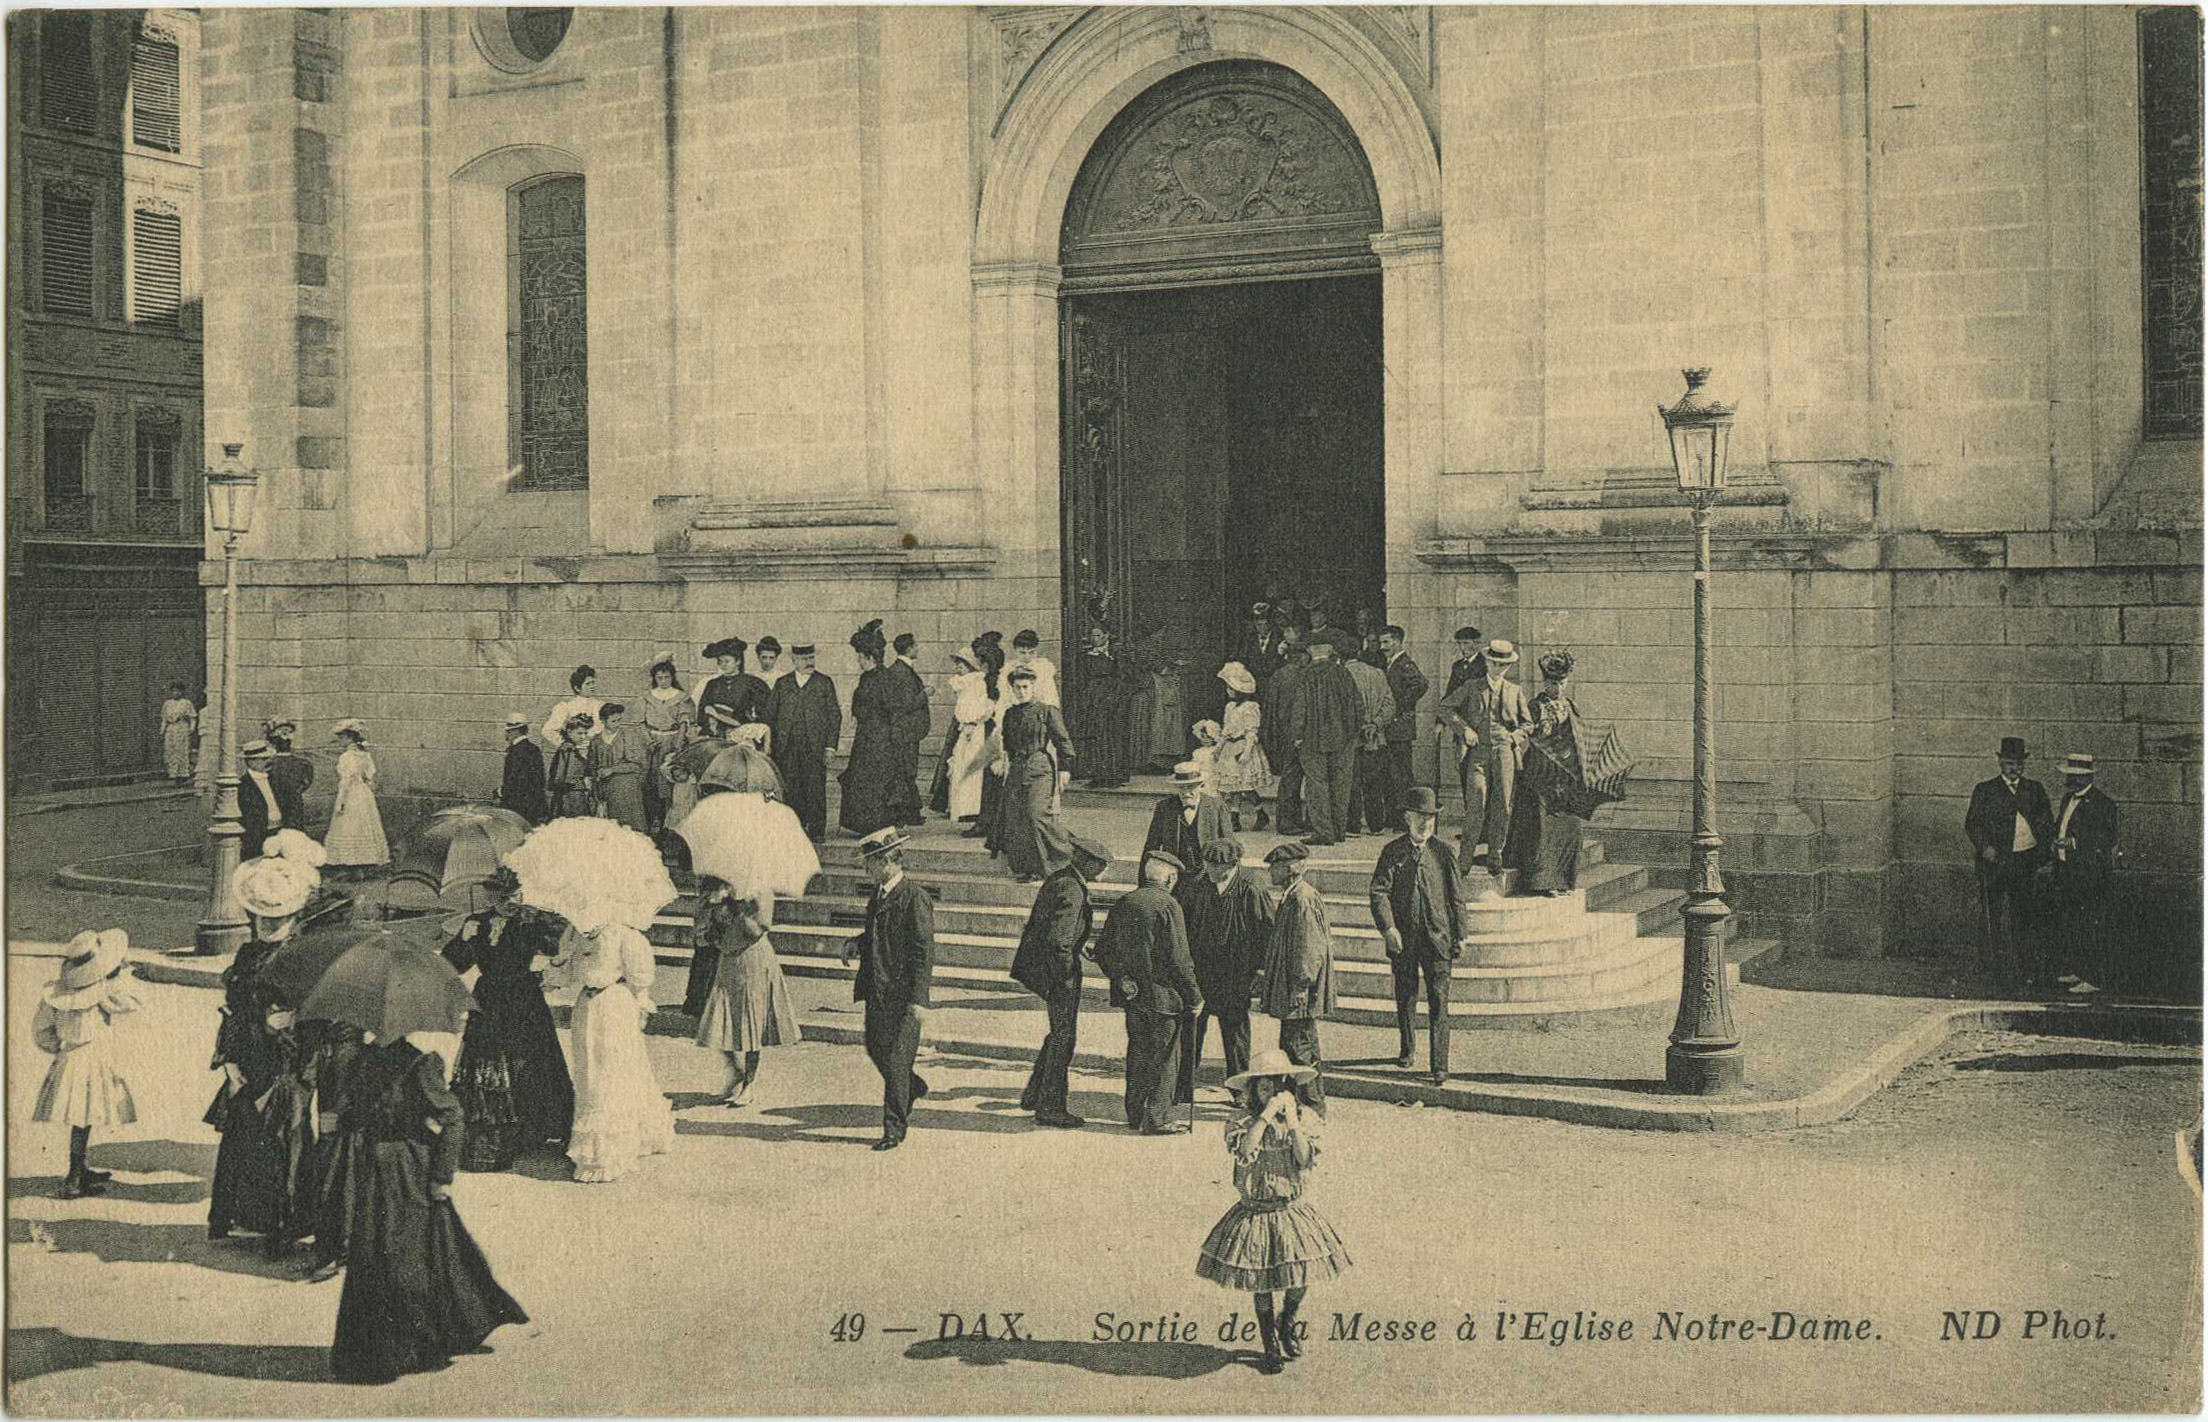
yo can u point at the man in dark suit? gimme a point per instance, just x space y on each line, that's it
1225 911
1048 964
1184 822
1407 684
260 808
1144 950
912 726
1467 666
734 689
2081 871
2009 823
1418 906
289 774
806 722
896 953
1327 721
521 788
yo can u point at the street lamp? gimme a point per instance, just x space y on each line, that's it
230 512
1704 1056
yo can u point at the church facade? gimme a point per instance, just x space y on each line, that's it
574 336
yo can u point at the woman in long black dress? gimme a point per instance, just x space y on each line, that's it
1544 835
511 1079
870 792
417 1289
1101 695
1037 751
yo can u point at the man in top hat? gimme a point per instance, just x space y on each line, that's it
1418 906
260 809
1048 964
1183 823
896 953
1298 987
2082 868
290 773
805 722
2009 823
1228 924
1368 785
743 695
1408 685
1144 951
1492 721
1327 721
521 788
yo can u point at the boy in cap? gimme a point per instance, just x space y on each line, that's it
2084 862
521 786
1144 951
896 955
1298 987
2009 824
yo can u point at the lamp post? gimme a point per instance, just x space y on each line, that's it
1704 1056
230 513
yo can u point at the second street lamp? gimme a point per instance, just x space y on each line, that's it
230 489
1704 1057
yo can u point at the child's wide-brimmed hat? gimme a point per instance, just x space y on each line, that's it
274 887
92 956
1272 1062
352 724
1238 678
297 846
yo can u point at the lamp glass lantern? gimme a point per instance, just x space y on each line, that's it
230 494
1701 431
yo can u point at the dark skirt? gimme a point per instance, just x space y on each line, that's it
264 1179
1544 845
337 1181
511 1078
417 1289
705 967
1028 833
870 780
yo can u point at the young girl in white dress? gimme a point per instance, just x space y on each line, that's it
355 837
75 1025
1239 769
973 709
620 1113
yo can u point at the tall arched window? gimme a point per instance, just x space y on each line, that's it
547 345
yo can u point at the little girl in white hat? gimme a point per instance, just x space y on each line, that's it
75 1024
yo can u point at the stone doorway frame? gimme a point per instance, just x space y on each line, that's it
1091 71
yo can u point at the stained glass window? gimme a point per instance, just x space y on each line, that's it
2170 217
537 30
548 390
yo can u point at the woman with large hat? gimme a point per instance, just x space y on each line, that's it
75 1024
355 837
1544 833
510 1077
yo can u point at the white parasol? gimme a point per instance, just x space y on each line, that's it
752 844
592 872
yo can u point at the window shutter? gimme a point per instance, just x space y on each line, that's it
68 92
156 102
66 234
158 269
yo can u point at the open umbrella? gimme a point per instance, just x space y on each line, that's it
743 768
292 971
462 844
391 988
752 844
693 758
592 872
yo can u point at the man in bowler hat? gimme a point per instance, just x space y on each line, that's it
1144 951
896 953
1418 906
1048 964
2010 825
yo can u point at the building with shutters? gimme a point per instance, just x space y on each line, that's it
103 394
565 336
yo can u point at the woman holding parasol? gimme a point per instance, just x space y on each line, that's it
510 1078
1545 831
746 848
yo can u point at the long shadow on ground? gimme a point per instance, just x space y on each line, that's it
1176 1361
2071 1061
37 1352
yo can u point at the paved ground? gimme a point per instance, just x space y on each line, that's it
2010 1174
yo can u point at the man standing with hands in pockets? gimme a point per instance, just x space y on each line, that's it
896 953
1418 905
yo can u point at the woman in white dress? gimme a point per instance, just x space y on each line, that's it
179 719
583 682
975 712
355 838
620 1113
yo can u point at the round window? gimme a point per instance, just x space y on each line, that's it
518 38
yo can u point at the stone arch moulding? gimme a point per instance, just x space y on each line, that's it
1086 76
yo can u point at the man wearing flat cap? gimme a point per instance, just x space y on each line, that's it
733 689
1418 906
805 722
2010 826
521 787
1048 964
1143 950
1228 922
1298 987
1328 723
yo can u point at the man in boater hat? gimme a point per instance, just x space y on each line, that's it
896 954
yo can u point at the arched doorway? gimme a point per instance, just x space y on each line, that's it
1221 351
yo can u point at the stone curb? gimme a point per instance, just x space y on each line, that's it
83 879
151 792
1839 1097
